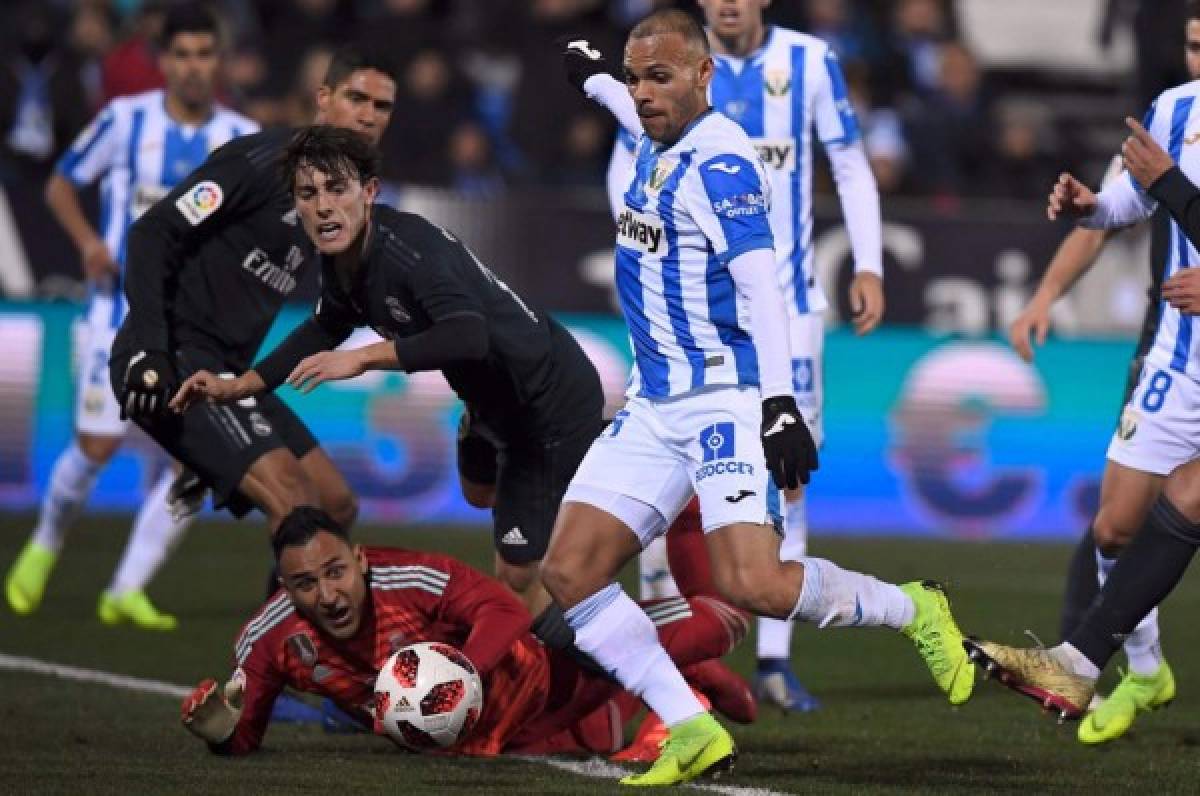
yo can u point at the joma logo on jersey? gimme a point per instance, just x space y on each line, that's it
776 153
273 276
778 82
640 232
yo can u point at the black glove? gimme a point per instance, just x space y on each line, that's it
787 444
581 59
149 383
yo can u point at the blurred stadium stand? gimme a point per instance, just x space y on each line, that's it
962 102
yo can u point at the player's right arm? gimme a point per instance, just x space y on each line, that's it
232 718
1075 255
89 157
327 328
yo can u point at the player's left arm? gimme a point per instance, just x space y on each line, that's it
838 128
495 616
731 206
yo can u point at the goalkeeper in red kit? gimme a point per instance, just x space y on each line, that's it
344 609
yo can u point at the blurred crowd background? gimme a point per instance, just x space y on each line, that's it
974 98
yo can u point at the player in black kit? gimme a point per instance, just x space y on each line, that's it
208 270
527 385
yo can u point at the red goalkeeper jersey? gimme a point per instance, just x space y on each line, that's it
411 597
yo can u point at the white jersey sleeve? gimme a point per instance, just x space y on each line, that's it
91 154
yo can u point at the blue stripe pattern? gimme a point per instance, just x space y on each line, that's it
1179 120
722 311
841 98
651 364
672 282
73 157
135 139
799 126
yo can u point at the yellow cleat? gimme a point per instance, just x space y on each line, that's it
695 748
939 641
133 607
1136 693
26 581
1036 673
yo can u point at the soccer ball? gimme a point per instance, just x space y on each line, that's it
427 696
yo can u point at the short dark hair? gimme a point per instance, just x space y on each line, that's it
301 525
1193 9
350 58
187 17
671 20
334 151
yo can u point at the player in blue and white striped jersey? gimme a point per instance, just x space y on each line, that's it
710 410
138 148
786 89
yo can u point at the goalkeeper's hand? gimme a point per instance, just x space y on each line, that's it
787 443
581 59
211 712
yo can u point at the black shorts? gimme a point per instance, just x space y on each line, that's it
531 478
220 442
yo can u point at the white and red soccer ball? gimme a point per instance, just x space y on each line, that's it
427 696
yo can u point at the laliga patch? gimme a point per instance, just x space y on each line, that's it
200 202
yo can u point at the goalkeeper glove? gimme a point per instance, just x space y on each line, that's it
581 59
211 713
185 498
787 444
149 384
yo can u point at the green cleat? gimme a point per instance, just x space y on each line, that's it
1136 693
939 641
26 581
134 607
698 747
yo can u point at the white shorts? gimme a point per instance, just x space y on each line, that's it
96 408
807 333
660 453
1159 428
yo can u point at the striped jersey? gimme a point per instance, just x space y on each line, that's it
783 94
688 211
138 153
1174 122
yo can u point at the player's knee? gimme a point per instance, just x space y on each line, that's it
1111 534
98 449
1182 489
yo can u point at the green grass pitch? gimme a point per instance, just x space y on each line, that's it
884 727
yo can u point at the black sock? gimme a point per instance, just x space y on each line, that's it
1081 585
1147 571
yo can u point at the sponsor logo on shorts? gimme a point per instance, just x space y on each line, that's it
724 468
717 442
802 374
200 202
93 401
259 424
1128 425
740 496
514 536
